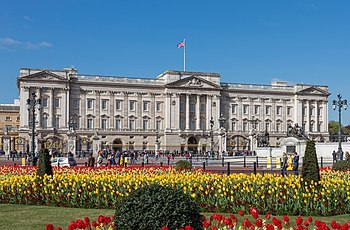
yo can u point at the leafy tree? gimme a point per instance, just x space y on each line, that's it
310 170
333 128
44 164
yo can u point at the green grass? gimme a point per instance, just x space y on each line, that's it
29 217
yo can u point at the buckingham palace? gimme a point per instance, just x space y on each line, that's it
176 110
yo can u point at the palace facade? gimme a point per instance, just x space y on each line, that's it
189 111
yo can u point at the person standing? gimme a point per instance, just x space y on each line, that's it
296 163
99 159
284 164
91 161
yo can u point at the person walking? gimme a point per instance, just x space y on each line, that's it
296 163
284 164
91 161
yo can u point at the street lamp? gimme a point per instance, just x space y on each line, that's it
211 135
32 103
340 103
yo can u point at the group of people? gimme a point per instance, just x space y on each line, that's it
290 163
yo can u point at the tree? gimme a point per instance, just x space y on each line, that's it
44 164
310 170
333 128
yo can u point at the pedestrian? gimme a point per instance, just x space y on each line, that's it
91 161
284 164
296 163
99 159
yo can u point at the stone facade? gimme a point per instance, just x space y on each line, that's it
169 112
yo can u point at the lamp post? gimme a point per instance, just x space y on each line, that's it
32 103
211 135
340 103
157 141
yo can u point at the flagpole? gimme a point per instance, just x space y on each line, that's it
184 55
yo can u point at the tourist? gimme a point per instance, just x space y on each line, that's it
284 164
99 159
296 163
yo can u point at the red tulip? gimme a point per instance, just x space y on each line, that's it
87 220
58 228
187 227
286 219
240 212
49 227
165 228
309 219
299 220
206 224
258 223
254 212
306 223
233 217
214 228
247 223
267 216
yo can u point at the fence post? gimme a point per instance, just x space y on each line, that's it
204 165
254 167
86 164
228 168
168 161
321 162
161 164
257 161
143 164
244 162
223 162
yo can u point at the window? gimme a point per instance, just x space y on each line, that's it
289 111
278 127
118 105
104 104
233 109
132 105
158 124
104 123
56 103
202 124
90 124
145 105
279 110
192 107
44 102
131 124
8 119
8 127
192 124
245 109
256 109
202 108
267 126
44 122
268 110
158 106
57 122
118 124
145 124
90 104
245 126
234 126
182 107
75 104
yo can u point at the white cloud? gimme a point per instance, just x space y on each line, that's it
27 18
11 44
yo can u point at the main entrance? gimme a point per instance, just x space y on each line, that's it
192 144
117 145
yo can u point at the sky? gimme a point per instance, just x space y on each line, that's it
246 41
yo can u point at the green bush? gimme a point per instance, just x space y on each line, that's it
310 170
183 165
44 164
154 206
341 165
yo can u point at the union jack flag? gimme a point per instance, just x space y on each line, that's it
181 44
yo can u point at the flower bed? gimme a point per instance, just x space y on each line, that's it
103 187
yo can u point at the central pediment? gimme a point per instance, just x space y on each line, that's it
313 91
43 75
194 82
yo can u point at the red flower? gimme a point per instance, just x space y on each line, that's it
258 223
309 219
286 219
206 224
87 220
267 216
58 228
254 212
187 227
247 223
306 223
240 212
299 220
49 227
165 228
94 224
233 217
100 219
270 227
214 228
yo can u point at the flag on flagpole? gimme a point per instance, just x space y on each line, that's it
181 44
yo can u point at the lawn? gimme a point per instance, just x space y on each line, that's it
24 217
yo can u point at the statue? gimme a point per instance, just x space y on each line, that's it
264 141
296 131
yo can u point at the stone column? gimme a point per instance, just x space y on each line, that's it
153 109
97 109
208 111
96 143
198 112
139 109
324 112
72 142
284 116
24 114
39 111
111 110
187 118
167 112
6 146
51 109
125 110
307 114
239 114
176 111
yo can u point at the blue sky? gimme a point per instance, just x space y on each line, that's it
247 41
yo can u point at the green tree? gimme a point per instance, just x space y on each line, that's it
310 170
44 164
333 128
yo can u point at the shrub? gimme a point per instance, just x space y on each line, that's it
44 164
310 170
154 206
341 165
183 165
